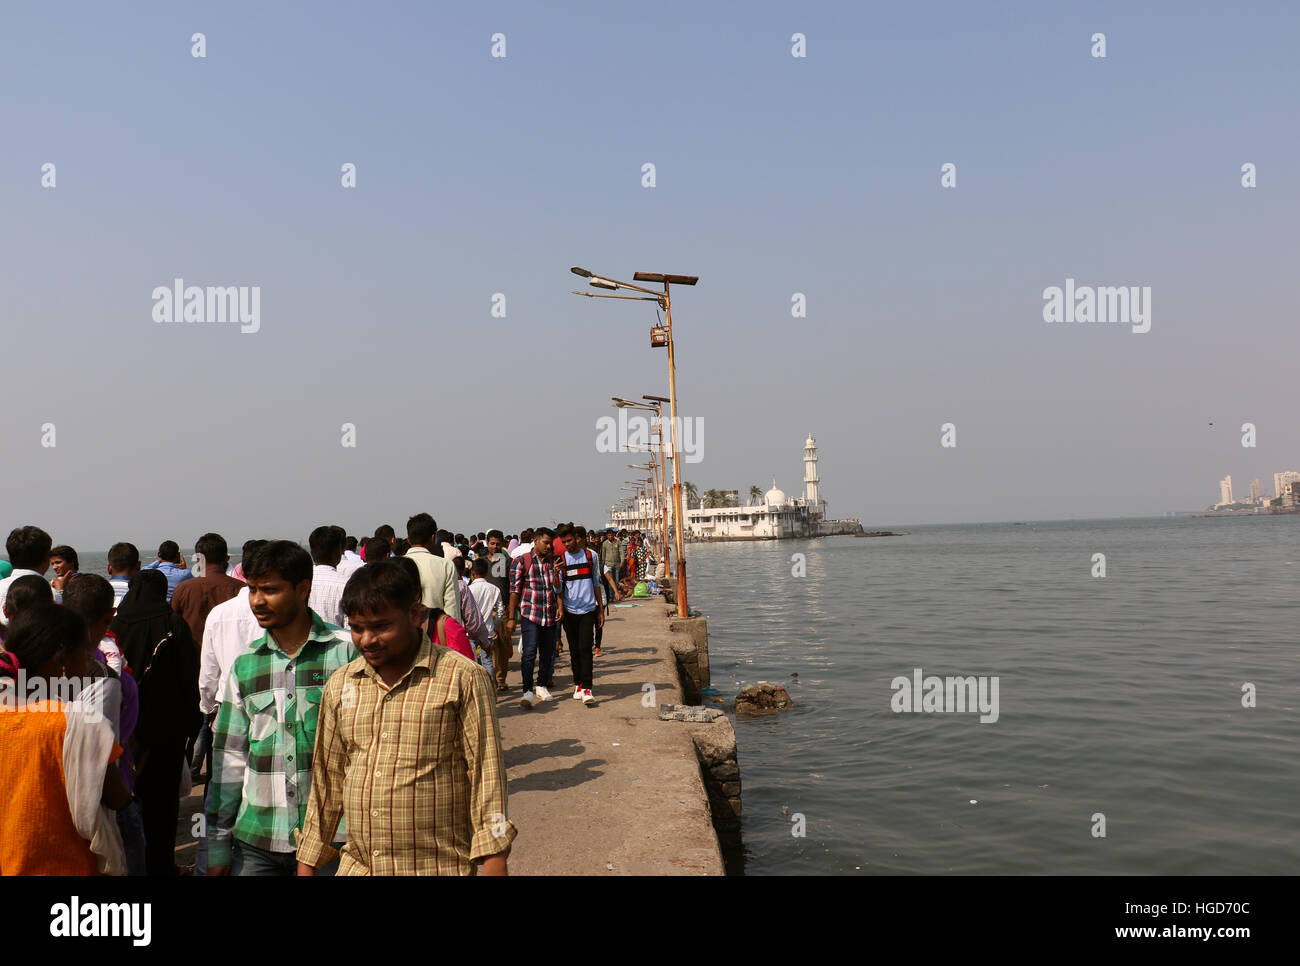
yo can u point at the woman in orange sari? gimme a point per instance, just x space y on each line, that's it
59 783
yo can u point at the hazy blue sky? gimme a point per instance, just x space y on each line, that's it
775 175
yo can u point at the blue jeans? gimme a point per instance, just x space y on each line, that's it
199 750
252 861
131 824
538 642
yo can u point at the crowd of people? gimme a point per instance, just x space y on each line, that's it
338 701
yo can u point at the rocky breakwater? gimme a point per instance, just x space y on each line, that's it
710 729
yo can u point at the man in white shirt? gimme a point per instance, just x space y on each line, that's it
326 597
449 550
29 551
123 564
474 623
227 632
351 561
229 629
486 595
525 544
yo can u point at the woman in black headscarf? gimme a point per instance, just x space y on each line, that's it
159 649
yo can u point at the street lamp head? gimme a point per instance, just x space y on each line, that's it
580 271
599 282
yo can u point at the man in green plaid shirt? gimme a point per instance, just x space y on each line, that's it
265 731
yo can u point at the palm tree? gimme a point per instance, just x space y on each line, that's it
692 494
712 498
755 494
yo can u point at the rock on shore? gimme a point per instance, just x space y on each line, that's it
762 697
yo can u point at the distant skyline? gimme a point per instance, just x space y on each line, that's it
843 290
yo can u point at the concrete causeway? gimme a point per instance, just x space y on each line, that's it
609 790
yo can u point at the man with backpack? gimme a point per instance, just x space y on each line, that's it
578 571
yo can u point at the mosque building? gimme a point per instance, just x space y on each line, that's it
777 517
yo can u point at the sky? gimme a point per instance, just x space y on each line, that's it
480 175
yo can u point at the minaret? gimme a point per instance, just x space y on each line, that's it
810 477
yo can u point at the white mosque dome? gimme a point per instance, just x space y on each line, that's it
774 497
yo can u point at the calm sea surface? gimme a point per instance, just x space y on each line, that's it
1119 695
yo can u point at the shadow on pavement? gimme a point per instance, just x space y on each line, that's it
557 778
561 748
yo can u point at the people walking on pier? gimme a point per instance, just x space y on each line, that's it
90 597
266 729
611 555
194 599
157 647
327 583
443 723
123 564
351 561
25 591
583 609
471 618
29 552
59 758
640 554
171 562
438 580
525 543
534 592
498 561
492 609
65 564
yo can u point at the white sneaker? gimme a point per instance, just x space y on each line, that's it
587 699
543 694
527 700
577 693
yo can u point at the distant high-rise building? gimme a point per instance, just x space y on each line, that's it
1256 491
1280 480
1225 491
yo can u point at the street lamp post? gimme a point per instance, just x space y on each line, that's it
658 402
655 405
640 502
664 299
654 510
